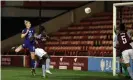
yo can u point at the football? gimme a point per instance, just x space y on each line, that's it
87 10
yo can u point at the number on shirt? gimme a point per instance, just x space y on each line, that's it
124 40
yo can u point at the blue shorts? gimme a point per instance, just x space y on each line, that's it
31 48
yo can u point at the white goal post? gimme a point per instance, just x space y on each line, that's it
115 5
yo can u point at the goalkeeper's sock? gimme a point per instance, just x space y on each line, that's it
47 64
130 72
43 70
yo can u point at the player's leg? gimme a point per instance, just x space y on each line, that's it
125 69
36 59
43 60
19 48
48 64
46 58
37 52
131 55
126 59
33 64
47 61
123 65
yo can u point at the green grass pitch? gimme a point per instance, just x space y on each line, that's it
20 73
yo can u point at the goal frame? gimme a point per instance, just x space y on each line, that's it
115 5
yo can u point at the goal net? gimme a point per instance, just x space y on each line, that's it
122 13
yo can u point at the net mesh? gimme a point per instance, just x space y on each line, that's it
125 15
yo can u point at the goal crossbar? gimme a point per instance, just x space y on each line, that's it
123 4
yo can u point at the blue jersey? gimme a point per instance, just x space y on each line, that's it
28 36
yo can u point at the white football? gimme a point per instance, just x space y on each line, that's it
87 10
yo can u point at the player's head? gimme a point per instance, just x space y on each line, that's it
122 27
27 24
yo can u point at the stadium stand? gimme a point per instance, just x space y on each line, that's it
91 37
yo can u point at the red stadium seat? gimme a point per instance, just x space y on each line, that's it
94 35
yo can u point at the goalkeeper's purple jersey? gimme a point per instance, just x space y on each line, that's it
28 36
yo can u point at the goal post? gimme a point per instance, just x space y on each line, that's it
114 50
115 5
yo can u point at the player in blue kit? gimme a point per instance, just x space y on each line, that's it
29 43
40 39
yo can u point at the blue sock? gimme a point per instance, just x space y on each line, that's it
130 72
43 70
33 64
47 64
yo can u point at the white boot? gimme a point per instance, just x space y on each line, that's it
48 71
